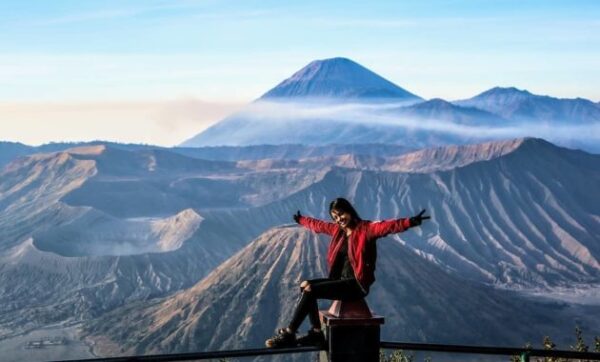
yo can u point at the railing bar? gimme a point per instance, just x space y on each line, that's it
387 345
490 350
199 355
452 348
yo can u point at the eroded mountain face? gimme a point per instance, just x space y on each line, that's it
85 231
246 298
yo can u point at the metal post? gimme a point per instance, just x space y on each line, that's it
352 333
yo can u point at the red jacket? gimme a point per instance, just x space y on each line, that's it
362 250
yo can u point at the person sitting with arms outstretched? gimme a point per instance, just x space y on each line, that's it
351 259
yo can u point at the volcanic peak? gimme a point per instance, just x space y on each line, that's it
338 78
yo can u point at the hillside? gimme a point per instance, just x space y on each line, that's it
246 298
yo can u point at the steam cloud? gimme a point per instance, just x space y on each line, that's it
387 114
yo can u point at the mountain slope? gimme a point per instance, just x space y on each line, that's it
249 129
245 299
422 161
11 150
441 110
524 218
289 151
299 110
65 263
449 157
337 78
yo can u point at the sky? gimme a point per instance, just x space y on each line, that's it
159 72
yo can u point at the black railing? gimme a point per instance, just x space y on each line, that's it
523 353
201 355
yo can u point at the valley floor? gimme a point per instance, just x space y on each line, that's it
53 343
579 294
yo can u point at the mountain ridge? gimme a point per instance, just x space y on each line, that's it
522 105
12 151
441 110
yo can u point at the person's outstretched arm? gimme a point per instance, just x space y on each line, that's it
316 225
380 229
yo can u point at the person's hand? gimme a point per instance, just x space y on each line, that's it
418 219
297 216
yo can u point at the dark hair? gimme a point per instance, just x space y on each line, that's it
343 205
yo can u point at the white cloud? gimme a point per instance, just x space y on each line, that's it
383 114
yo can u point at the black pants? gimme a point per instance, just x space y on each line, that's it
343 289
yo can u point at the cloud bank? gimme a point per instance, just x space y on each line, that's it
387 114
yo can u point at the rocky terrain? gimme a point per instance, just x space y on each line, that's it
87 231
245 299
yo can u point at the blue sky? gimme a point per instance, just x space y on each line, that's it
219 55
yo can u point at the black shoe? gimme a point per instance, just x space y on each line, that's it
312 338
282 339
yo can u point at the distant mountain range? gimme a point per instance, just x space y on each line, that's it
12 150
521 105
339 101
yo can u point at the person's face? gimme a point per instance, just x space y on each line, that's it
342 218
